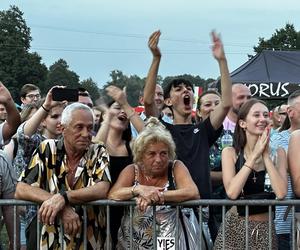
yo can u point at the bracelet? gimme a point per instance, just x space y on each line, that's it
64 194
47 110
131 115
248 166
132 190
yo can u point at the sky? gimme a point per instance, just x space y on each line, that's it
96 36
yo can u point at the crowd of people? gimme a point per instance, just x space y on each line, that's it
61 155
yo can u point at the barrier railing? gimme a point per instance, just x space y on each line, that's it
194 203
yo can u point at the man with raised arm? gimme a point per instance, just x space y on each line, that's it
193 141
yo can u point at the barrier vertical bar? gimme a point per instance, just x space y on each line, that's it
84 228
293 228
37 230
131 226
200 226
15 228
108 245
270 227
177 229
246 226
61 235
154 226
223 226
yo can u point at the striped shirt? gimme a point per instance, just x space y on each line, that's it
281 139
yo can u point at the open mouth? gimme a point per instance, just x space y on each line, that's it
187 100
122 118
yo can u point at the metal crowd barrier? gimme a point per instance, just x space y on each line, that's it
195 203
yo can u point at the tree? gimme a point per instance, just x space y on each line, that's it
195 80
17 65
92 88
60 74
134 84
286 38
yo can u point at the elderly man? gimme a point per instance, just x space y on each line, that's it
66 172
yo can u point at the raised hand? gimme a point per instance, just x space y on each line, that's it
49 103
217 47
153 43
262 144
5 95
117 94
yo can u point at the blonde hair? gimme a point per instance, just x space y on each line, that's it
154 132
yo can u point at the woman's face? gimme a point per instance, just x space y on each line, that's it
155 159
208 103
119 119
51 124
257 119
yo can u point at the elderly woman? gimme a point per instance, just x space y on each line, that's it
154 178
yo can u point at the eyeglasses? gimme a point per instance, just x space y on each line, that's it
32 96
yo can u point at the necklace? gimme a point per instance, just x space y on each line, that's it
254 176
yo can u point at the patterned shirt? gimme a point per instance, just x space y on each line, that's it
26 145
283 226
48 171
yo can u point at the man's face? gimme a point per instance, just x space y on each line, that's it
78 134
181 99
85 100
159 97
294 112
3 113
31 96
282 111
97 115
240 94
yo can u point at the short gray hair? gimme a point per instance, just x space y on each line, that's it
66 116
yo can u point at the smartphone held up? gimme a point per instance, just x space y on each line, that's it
65 94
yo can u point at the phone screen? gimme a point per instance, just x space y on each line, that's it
65 94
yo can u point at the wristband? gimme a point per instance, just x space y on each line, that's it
47 110
64 194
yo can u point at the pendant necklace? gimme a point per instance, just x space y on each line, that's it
254 176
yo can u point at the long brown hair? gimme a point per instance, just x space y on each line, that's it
239 136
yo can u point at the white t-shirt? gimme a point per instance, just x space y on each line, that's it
228 124
1 135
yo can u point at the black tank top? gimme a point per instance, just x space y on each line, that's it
118 163
253 189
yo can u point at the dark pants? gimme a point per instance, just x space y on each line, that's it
284 241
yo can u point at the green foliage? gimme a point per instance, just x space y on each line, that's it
195 80
17 65
286 38
92 88
60 74
134 84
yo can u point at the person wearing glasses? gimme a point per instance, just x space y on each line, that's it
30 93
